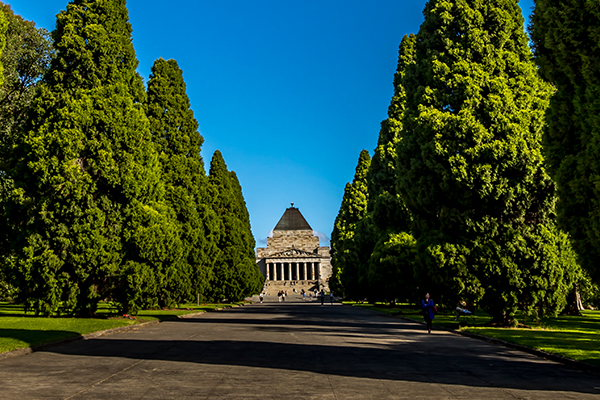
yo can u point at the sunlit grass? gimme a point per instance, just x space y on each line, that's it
573 337
19 329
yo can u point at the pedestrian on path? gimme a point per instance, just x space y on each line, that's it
331 297
428 311
279 295
261 298
322 297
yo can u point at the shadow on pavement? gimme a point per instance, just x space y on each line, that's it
413 356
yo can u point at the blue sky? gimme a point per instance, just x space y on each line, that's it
289 91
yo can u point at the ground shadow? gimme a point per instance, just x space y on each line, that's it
413 357
33 337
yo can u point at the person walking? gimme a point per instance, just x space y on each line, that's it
428 311
322 297
279 296
261 298
331 297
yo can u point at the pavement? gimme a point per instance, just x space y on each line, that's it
293 350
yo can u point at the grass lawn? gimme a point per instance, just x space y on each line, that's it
577 338
19 329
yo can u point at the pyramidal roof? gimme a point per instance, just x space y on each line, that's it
292 220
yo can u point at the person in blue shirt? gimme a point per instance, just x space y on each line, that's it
428 311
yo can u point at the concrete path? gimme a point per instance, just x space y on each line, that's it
288 351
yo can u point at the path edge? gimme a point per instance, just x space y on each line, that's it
580 365
40 347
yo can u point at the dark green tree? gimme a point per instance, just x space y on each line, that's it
253 280
385 203
3 28
25 59
6 290
236 274
471 169
565 36
388 214
88 180
178 143
345 259
390 273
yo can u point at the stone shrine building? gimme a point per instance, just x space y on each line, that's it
293 256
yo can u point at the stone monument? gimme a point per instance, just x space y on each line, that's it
293 258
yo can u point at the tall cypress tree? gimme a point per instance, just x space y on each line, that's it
236 274
178 143
3 28
391 258
89 178
252 278
5 288
384 201
25 59
344 249
565 34
471 168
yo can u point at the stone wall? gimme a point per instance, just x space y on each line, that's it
326 268
304 240
284 240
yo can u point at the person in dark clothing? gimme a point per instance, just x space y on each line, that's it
322 297
428 311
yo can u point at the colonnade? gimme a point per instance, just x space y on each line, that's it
293 271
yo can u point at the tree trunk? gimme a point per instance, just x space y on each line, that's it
504 319
574 305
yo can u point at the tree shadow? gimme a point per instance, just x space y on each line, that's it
32 338
392 362
412 356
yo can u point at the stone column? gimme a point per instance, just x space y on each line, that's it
296 272
318 268
280 272
274 271
289 269
268 270
312 271
304 271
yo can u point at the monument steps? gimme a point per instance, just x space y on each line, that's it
273 287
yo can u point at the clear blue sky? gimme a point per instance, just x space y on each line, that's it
289 91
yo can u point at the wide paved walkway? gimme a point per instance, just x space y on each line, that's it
289 351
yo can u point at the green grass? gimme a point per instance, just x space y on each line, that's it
573 337
19 329
577 338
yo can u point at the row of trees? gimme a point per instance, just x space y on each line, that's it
457 199
104 193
